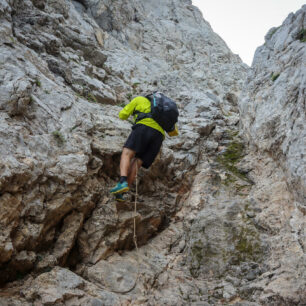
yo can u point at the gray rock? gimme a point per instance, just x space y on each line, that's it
273 104
215 219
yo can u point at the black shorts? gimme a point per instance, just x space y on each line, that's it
146 142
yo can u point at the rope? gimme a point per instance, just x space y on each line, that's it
135 208
135 243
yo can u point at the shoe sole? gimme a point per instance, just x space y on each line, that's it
120 200
121 190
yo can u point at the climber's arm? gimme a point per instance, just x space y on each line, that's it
128 110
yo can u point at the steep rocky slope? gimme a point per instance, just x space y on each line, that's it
216 221
273 109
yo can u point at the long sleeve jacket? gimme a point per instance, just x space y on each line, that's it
142 105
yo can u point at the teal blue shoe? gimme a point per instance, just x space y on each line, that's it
120 188
119 197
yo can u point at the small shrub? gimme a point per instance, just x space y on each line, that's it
274 76
91 98
302 35
12 40
37 82
129 96
58 137
228 159
135 85
273 32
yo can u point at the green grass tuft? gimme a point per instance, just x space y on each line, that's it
135 85
274 76
302 35
91 98
129 96
273 32
37 82
229 158
58 137
12 40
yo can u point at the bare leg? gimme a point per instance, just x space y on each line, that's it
134 168
125 162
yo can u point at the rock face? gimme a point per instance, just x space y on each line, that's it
273 106
216 222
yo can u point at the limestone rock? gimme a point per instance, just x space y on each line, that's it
216 222
273 104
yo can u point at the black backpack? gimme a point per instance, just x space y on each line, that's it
163 110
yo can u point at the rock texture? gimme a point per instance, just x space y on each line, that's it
217 222
273 107
272 110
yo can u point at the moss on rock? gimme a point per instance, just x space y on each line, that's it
229 158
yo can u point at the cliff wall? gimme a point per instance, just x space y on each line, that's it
220 215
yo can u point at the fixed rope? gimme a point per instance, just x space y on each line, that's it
134 240
135 208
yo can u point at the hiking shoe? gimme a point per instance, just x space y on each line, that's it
120 188
119 197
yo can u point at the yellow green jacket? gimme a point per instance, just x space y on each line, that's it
142 105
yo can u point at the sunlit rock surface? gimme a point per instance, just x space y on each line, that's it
220 215
273 104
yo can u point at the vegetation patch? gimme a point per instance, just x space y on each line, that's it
245 239
58 137
233 153
88 96
38 82
121 104
274 76
302 35
135 87
229 158
273 32
78 95
247 245
91 97
129 96
229 180
12 40
232 134
196 258
200 254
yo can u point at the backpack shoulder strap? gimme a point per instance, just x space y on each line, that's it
141 116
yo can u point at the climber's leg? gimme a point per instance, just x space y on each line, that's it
134 168
125 164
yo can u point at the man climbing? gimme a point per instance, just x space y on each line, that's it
145 140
